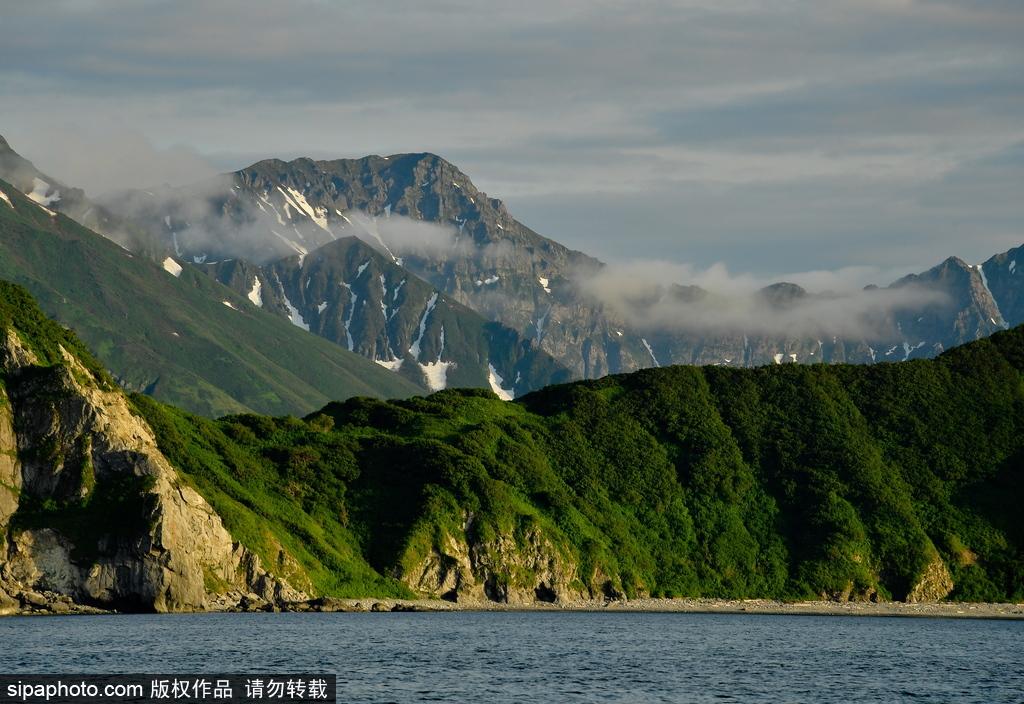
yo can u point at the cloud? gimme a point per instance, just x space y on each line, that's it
400 235
205 216
660 296
105 159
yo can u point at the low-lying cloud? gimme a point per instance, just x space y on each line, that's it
668 297
404 236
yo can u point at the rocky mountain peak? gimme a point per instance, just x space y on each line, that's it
783 293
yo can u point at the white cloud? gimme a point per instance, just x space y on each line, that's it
654 295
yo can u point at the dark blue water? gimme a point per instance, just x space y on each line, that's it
551 657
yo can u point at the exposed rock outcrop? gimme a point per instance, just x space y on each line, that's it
93 513
934 584
504 569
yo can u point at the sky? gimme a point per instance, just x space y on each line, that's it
764 137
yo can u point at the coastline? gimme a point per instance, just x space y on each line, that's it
55 605
1005 611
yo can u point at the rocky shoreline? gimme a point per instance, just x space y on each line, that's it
696 606
48 603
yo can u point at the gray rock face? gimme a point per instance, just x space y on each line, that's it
92 510
505 570
354 296
1004 278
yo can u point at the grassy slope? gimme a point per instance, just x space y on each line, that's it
127 310
788 481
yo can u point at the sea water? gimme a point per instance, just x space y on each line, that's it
550 657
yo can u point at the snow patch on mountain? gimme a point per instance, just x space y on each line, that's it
265 199
414 349
650 352
495 380
299 249
351 313
229 304
908 349
172 267
5 199
294 315
38 194
540 325
256 292
393 364
436 373
544 284
317 215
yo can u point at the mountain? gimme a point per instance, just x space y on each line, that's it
485 260
476 351
172 331
349 293
847 482
478 255
472 252
897 481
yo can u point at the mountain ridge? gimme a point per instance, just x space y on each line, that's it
511 274
176 333
480 257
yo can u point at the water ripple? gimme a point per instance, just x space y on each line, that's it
567 657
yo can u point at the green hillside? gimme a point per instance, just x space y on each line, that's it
174 337
894 481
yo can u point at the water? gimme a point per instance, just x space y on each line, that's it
551 657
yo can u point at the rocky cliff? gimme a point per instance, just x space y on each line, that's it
518 564
91 511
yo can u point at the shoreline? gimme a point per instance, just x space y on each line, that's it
963 610
757 607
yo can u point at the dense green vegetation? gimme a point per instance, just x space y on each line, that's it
789 481
174 337
42 336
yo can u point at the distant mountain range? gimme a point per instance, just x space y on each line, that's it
404 261
172 331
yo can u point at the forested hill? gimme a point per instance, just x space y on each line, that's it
892 481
